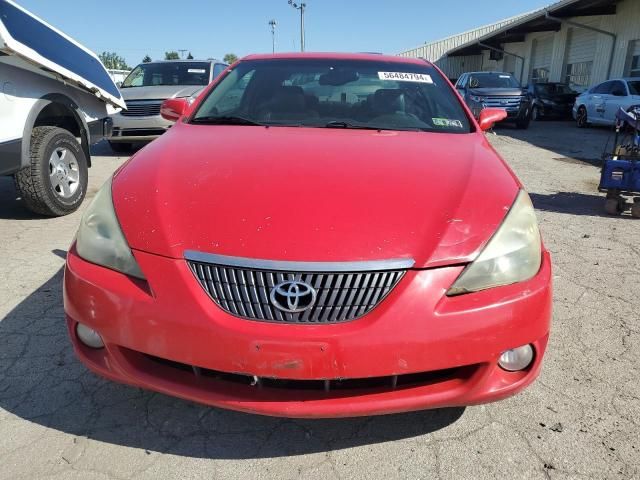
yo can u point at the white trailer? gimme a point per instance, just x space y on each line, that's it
55 101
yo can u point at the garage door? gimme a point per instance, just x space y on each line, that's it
509 64
581 49
541 59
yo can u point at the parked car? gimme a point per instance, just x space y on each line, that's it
55 101
496 90
551 99
360 252
599 104
147 86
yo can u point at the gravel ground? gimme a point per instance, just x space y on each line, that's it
579 420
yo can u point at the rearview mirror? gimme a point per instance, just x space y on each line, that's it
489 116
338 77
173 108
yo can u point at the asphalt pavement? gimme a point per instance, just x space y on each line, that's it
580 419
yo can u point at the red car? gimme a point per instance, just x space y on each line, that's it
319 235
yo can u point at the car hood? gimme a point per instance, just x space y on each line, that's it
159 92
314 194
502 92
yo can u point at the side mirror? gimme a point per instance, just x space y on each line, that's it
489 116
618 93
173 108
118 84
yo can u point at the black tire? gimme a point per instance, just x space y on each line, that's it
612 206
581 117
535 114
523 123
119 147
35 183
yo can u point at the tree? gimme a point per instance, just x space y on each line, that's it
146 59
112 60
230 58
172 55
189 57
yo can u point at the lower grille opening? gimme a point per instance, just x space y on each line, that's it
140 132
393 382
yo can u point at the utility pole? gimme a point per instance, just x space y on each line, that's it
182 53
272 24
301 7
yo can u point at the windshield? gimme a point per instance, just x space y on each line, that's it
634 87
336 94
492 80
552 89
168 73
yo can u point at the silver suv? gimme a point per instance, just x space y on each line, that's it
144 90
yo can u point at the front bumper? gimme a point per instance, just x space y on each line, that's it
138 129
442 351
555 110
513 113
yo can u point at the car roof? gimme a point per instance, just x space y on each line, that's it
184 60
495 72
338 56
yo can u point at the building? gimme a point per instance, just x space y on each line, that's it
436 52
580 42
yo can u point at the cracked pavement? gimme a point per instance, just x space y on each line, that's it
580 419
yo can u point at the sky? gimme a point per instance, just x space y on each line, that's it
212 28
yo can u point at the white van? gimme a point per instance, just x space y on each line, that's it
55 101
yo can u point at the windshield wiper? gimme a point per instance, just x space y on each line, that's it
226 120
341 124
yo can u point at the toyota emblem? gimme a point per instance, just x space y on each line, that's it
293 296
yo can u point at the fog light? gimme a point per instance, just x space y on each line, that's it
89 337
516 358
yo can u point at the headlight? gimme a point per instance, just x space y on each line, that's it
513 254
476 98
100 239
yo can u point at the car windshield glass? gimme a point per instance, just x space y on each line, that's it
492 80
332 93
634 87
552 89
168 73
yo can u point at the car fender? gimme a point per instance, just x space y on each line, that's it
38 107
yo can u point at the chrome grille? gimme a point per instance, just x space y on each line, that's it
502 102
341 296
142 108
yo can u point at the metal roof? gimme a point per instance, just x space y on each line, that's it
536 21
479 31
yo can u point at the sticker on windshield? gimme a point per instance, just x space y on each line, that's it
446 122
196 70
405 77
